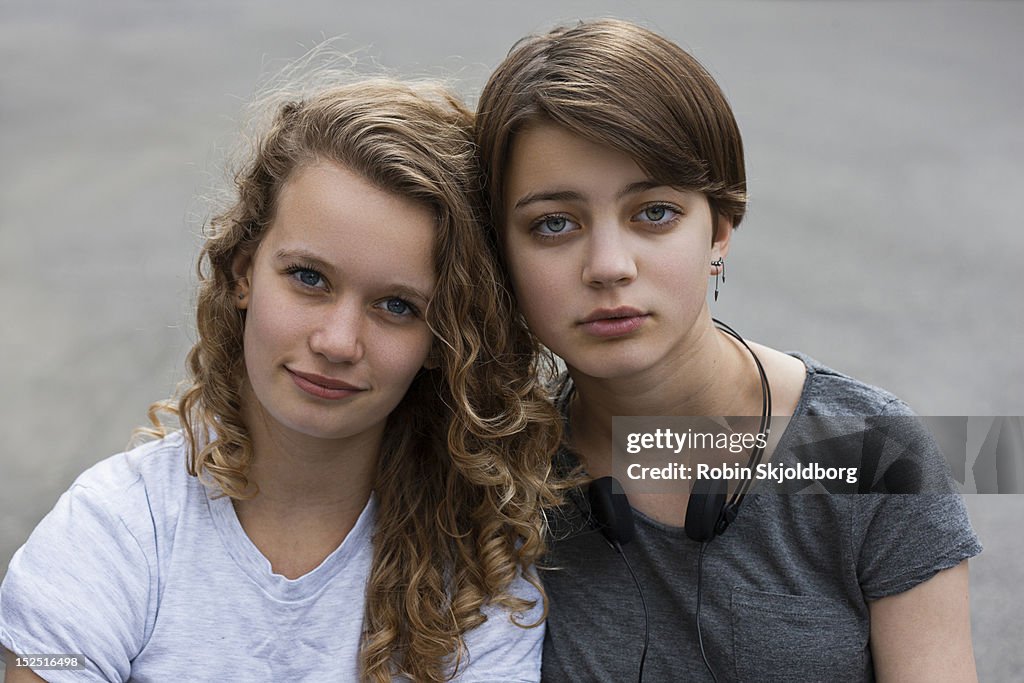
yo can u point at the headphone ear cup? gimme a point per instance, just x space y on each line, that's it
610 510
704 509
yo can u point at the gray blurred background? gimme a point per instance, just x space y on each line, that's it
884 234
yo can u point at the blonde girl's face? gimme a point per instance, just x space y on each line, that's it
609 266
334 298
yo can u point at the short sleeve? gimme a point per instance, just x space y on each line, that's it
903 539
80 585
502 650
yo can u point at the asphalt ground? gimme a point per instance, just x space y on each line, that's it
884 236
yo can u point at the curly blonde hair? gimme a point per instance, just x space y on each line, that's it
464 472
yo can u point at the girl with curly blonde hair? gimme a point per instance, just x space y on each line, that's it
356 488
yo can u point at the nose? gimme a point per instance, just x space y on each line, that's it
338 334
608 260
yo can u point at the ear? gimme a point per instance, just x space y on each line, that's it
721 240
241 272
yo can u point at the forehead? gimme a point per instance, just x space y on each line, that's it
545 154
349 223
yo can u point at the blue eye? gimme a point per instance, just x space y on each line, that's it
398 307
555 224
657 214
308 277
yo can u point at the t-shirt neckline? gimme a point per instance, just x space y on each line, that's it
258 568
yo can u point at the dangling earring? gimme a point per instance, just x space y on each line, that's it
720 264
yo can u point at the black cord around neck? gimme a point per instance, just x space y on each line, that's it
765 425
731 508
700 639
643 602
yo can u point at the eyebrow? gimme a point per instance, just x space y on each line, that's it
302 255
314 260
573 196
406 292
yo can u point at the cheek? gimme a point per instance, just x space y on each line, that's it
677 266
400 356
684 275
540 283
271 326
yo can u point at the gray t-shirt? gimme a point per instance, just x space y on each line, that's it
785 589
147 575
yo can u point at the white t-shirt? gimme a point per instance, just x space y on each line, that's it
150 578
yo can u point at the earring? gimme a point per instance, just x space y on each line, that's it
242 284
720 264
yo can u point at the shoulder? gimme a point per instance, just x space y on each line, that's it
142 490
85 581
830 392
916 523
123 496
128 492
842 421
152 465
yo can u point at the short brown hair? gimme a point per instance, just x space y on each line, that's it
619 85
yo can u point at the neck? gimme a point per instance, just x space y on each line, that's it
307 479
707 374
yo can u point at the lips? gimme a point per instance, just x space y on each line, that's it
613 322
612 314
323 387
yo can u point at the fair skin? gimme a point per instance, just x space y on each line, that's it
334 298
589 233
610 269
18 675
334 335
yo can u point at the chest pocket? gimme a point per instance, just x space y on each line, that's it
778 637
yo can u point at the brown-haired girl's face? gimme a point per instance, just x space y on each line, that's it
609 266
334 298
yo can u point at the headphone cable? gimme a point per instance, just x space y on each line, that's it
643 602
700 639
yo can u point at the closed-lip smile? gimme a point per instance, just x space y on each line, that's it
323 387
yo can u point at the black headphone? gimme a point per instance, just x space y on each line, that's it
708 514
709 510
610 511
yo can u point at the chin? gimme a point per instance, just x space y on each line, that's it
307 424
608 363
